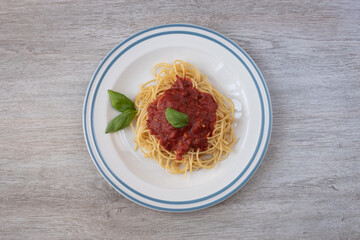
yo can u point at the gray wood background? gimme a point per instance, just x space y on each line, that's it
308 186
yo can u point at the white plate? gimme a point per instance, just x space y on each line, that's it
227 67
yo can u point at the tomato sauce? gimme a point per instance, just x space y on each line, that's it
200 108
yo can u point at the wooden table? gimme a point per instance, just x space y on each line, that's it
308 186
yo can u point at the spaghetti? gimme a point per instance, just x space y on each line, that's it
219 141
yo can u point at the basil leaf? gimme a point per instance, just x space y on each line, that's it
122 121
176 119
120 102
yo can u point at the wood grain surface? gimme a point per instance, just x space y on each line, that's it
308 186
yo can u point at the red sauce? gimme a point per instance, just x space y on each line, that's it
200 108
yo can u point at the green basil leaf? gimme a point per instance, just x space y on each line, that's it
176 119
120 102
122 121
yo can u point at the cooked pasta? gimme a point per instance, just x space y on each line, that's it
219 142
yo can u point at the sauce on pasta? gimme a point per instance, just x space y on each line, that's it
200 108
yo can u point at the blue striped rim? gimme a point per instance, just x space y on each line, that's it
174 202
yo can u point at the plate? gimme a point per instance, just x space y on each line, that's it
227 67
